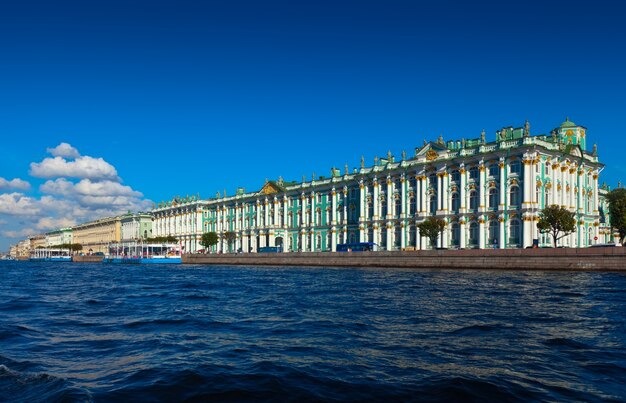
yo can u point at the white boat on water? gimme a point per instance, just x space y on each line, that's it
144 253
50 255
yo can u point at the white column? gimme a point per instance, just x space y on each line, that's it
463 193
362 211
445 194
440 192
481 233
423 193
503 189
481 187
375 192
528 183
391 205
462 229
403 198
501 240
596 207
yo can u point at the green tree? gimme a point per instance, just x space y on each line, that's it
209 239
431 228
617 211
556 221
230 237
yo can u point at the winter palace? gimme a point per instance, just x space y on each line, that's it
489 193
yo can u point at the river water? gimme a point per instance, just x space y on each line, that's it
95 332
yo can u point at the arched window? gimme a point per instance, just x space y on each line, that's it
318 242
494 170
473 173
397 237
318 216
398 206
514 232
455 176
493 198
352 238
411 205
383 206
473 200
383 236
493 233
456 202
455 232
432 181
514 196
515 167
433 204
473 234
412 236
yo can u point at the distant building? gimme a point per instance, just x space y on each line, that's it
489 193
95 236
181 218
59 237
136 226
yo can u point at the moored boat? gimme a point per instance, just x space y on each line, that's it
50 255
144 253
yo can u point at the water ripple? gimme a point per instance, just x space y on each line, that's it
194 333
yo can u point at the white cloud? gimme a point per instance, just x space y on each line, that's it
18 204
77 189
19 233
59 186
105 188
51 223
82 167
64 150
16 183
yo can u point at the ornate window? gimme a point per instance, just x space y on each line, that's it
493 233
515 167
456 202
473 200
455 232
493 198
514 231
455 176
514 196
494 170
473 173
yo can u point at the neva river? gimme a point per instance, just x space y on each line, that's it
81 332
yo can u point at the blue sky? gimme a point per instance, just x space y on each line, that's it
161 98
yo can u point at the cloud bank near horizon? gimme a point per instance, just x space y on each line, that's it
78 188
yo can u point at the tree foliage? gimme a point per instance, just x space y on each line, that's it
209 239
617 211
163 239
431 228
230 237
556 221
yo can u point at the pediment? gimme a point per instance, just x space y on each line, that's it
271 187
431 151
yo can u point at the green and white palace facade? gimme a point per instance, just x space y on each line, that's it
489 193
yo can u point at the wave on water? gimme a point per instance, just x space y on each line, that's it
23 386
271 382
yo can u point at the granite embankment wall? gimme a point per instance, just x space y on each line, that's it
87 259
610 258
